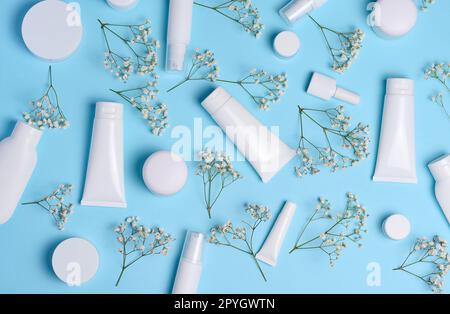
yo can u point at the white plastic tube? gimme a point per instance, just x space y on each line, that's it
262 148
190 266
397 148
271 248
178 33
104 184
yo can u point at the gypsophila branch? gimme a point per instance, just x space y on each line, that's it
426 4
55 204
217 173
354 145
344 227
241 238
46 111
138 241
439 72
344 47
430 256
241 12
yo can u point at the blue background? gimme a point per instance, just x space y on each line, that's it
29 238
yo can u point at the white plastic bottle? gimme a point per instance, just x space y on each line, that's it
190 266
18 158
296 9
178 33
440 169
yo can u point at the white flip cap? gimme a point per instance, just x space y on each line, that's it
286 44
175 57
193 247
52 29
400 86
75 261
397 227
109 110
165 173
324 87
122 4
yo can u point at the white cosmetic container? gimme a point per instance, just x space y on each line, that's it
262 148
397 148
392 19
122 5
397 227
178 33
272 246
440 169
296 9
104 184
325 87
18 159
286 44
190 266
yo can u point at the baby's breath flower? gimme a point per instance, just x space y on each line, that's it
426 4
138 241
439 72
55 204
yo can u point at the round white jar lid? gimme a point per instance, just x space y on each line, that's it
397 227
52 29
122 4
75 261
286 44
165 173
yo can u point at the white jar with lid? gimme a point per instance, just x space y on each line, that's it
440 169
392 18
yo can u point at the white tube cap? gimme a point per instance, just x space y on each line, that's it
216 100
440 168
122 4
109 110
400 86
286 44
324 87
397 227
296 9
175 57
193 247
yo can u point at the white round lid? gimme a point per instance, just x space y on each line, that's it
52 29
397 227
122 4
165 173
395 18
75 261
286 44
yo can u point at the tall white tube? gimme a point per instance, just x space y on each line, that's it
262 148
397 148
104 184
178 33
190 266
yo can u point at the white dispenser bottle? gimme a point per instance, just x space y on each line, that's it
440 169
190 266
18 158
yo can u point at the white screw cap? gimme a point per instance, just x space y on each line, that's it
397 227
286 44
122 4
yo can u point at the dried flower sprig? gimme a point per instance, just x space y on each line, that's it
136 38
138 241
345 226
217 173
348 45
263 88
242 12
431 253
313 155
145 100
439 72
426 4
55 204
241 238
46 111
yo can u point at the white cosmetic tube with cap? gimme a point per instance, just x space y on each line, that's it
296 9
104 184
325 87
190 266
178 33
261 147
397 148
272 246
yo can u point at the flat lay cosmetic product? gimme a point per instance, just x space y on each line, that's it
104 184
165 173
325 87
52 29
397 148
261 147
286 44
75 261
18 159
178 33
190 266
122 5
397 227
296 9
272 246
440 169
392 19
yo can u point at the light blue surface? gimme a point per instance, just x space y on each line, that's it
29 238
